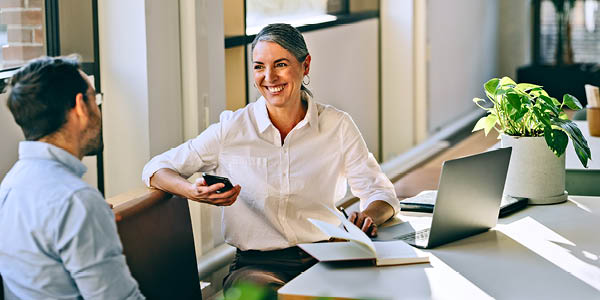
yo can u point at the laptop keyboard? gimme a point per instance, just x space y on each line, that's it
415 236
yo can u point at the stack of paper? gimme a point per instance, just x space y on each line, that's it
360 247
593 95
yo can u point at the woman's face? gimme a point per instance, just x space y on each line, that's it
278 74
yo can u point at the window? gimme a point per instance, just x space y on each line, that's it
21 32
296 12
584 26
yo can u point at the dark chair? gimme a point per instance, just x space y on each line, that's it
583 182
1 289
158 243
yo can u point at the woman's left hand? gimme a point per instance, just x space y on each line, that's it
364 222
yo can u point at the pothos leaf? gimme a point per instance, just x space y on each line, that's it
486 123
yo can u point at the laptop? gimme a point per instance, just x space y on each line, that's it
467 202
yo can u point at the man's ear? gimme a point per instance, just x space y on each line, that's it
81 110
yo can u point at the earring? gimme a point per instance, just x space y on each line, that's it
306 77
254 85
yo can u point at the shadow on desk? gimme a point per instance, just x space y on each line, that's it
158 243
542 253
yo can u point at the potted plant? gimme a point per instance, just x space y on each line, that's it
535 125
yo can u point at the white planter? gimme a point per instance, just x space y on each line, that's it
534 171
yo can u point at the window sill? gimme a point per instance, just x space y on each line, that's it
331 21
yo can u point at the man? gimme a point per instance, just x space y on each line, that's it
58 237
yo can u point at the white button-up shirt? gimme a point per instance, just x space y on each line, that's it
282 184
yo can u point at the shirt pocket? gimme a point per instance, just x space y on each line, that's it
251 174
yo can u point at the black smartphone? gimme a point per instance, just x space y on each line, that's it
212 179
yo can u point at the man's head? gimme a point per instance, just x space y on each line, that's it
51 98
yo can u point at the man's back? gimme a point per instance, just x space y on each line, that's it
59 238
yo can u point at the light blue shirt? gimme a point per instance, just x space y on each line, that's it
58 237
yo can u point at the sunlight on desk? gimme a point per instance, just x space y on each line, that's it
541 252
555 248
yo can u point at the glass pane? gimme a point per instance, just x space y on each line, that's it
296 12
584 20
21 31
76 28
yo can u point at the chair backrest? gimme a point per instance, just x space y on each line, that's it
1 289
158 243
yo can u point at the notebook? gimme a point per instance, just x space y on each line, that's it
425 202
360 246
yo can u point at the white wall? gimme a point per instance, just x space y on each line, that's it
10 135
463 52
397 77
515 36
344 72
140 77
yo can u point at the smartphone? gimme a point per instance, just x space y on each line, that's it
212 179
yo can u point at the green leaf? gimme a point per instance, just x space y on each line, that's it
506 81
556 140
542 117
563 116
524 87
579 142
556 102
572 102
514 100
486 123
491 86
548 104
518 117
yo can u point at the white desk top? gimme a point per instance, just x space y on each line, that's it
572 162
542 252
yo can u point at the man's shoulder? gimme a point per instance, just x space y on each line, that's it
48 181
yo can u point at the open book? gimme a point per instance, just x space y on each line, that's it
360 246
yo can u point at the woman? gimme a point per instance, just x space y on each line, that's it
292 158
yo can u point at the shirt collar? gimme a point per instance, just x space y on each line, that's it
41 150
263 121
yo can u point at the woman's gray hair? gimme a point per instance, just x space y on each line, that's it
287 37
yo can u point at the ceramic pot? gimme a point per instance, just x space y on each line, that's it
534 171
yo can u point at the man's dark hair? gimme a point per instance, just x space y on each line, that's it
42 92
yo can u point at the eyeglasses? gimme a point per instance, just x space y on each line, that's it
99 97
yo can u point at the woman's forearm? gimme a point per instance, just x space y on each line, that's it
380 211
170 181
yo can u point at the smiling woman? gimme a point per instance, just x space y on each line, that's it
280 61
290 157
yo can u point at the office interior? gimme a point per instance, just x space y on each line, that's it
405 70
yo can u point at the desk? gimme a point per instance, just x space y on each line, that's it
542 252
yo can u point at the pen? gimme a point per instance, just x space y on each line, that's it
344 212
346 216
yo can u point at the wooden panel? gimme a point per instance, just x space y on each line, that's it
234 17
235 78
363 5
158 244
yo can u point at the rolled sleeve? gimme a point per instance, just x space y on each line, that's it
195 155
364 174
88 244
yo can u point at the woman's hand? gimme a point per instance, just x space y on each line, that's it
375 214
200 192
364 222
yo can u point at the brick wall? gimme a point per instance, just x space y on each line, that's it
25 31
